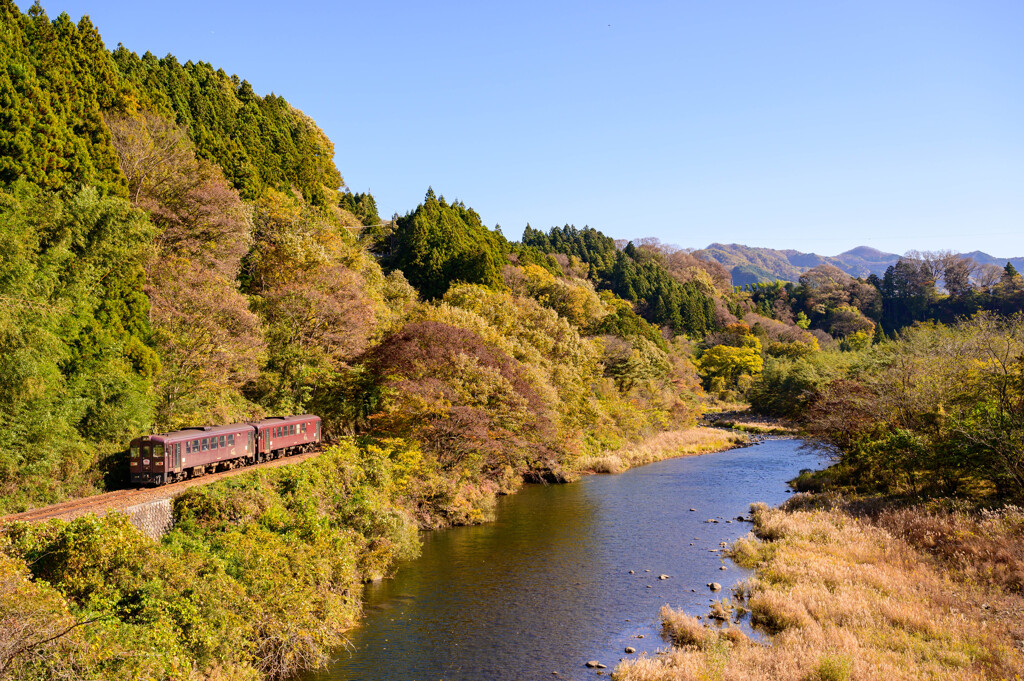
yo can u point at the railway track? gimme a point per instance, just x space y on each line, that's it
101 504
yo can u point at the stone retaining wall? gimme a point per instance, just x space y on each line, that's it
153 518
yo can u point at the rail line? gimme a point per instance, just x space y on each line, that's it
100 504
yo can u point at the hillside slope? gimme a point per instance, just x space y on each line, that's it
752 264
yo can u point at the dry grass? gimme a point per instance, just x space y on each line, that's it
851 599
684 630
987 547
664 445
744 420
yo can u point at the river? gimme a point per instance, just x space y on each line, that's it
547 587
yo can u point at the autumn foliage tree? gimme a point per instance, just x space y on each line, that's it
471 405
209 342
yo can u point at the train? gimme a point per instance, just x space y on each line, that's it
192 452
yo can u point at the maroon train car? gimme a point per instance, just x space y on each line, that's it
286 435
189 453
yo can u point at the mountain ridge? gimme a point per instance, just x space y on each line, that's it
753 264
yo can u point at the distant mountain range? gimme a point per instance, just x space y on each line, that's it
749 264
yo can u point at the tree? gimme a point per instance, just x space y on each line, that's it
907 291
362 205
319 296
440 243
728 363
209 341
470 405
76 362
847 320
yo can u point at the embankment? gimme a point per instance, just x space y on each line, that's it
664 445
904 594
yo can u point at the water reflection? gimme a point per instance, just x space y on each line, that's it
547 586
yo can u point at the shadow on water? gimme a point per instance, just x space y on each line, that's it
547 586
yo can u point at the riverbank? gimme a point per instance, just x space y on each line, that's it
899 594
745 421
661 446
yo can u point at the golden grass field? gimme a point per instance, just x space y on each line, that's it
906 594
664 445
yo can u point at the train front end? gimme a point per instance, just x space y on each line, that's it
147 462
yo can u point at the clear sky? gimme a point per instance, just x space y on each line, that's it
811 125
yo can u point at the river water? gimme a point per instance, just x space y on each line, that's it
546 587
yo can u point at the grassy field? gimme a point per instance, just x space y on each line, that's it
891 594
665 445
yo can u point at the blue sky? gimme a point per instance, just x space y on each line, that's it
818 126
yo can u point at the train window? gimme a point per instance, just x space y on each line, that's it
277 432
222 441
158 451
206 444
231 440
188 447
135 452
303 427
